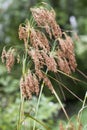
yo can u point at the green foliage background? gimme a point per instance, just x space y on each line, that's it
14 12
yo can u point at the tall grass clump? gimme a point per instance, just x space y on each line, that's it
46 49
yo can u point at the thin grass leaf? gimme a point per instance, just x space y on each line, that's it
60 86
85 76
41 123
65 88
57 97
71 76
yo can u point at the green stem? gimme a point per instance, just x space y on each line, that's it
39 122
71 77
37 107
65 88
57 97
21 113
83 106
21 110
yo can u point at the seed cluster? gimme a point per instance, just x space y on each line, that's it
45 55
66 57
9 58
41 52
46 19
29 84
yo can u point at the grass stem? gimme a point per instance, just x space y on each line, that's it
37 107
57 97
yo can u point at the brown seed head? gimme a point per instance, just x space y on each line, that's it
22 87
48 83
29 85
10 59
23 34
46 19
39 40
50 62
66 56
36 83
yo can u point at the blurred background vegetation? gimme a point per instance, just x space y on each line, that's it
71 15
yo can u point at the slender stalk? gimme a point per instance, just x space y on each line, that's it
65 88
82 73
39 122
71 77
37 107
57 97
21 113
61 89
83 106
